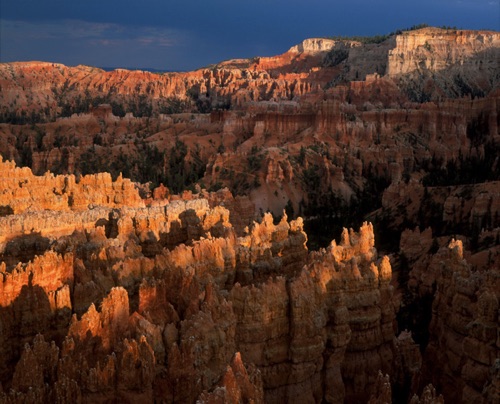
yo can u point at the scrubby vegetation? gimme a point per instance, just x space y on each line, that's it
335 57
472 169
376 39
147 164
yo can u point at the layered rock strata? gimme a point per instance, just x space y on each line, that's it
107 296
169 303
464 329
459 314
414 61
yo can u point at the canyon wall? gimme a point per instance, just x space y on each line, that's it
168 303
428 64
461 353
438 49
170 287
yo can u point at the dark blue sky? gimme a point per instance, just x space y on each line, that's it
187 34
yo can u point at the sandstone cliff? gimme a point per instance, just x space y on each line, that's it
168 303
45 90
115 290
436 49
386 124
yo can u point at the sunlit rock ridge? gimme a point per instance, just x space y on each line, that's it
317 226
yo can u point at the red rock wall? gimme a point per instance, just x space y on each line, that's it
22 191
168 303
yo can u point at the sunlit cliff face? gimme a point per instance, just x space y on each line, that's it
135 295
143 300
454 62
116 289
383 110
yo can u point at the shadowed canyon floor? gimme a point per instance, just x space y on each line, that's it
168 238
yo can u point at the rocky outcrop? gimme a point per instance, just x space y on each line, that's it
36 296
382 393
293 108
305 333
46 90
463 340
113 291
436 49
271 249
445 62
313 45
167 302
242 212
237 385
22 191
458 305
365 289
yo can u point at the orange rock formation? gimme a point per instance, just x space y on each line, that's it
114 291
169 303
